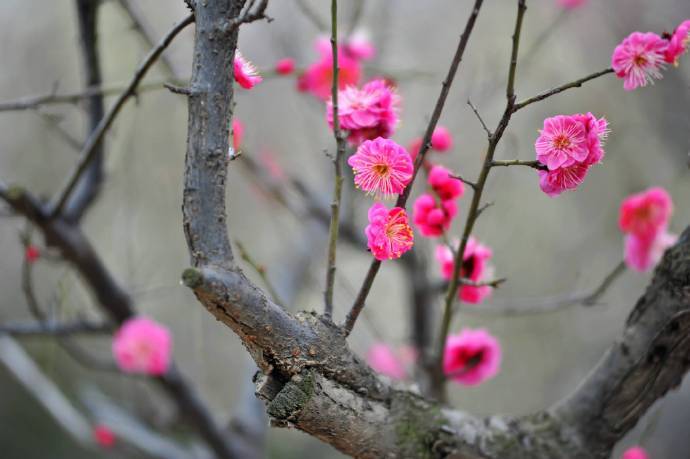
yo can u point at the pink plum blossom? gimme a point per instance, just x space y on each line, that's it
647 213
388 234
562 142
317 78
366 113
639 59
246 74
571 4
471 357
32 253
636 452
445 186
475 267
643 253
555 182
103 436
383 360
432 217
678 42
359 46
381 167
285 66
237 134
441 139
142 345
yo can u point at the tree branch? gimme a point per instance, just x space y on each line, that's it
90 150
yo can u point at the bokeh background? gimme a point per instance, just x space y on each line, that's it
546 247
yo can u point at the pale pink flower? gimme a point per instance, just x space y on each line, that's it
647 213
32 253
103 436
445 186
441 139
639 59
359 46
433 217
381 167
636 452
142 346
318 77
246 74
643 253
366 113
388 234
382 359
557 181
285 66
562 142
475 267
471 357
570 4
678 42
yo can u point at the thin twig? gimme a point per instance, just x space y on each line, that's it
426 143
338 166
516 162
312 15
479 117
260 270
52 98
89 151
465 181
560 89
53 328
474 210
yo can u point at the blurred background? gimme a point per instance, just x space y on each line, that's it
545 247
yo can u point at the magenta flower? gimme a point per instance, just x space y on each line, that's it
678 42
636 452
647 213
366 113
383 359
639 59
445 186
433 218
571 4
246 74
381 167
643 253
237 134
441 139
142 346
555 182
317 79
285 66
103 436
475 267
562 142
32 253
388 234
471 357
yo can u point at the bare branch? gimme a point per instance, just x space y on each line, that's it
53 328
90 150
479 117
516 162
560 89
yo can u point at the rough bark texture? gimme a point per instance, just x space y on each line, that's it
311 380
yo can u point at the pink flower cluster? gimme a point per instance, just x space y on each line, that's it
640 57
392 363
246 74
644 218
366 113
388 234
433 217
317 79
636 452
475 267
142 345
568 146
471 357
